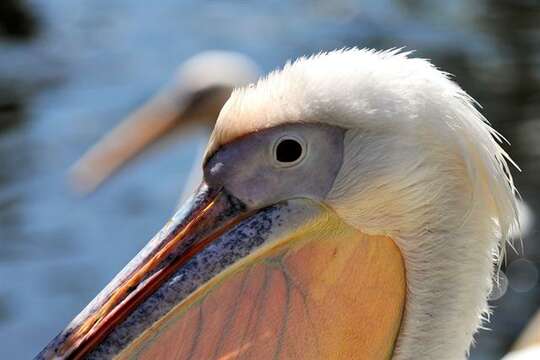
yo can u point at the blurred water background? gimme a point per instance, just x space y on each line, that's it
70 69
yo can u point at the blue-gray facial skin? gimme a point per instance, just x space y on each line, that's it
247 195
251 170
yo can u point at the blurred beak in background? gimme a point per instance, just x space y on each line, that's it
195 97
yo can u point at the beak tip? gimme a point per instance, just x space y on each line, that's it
82 180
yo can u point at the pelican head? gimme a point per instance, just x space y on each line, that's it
353 206
195 96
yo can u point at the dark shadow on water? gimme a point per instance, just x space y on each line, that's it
17 20
12 109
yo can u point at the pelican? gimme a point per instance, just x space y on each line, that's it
354 205
199 89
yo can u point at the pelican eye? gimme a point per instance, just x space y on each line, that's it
288 151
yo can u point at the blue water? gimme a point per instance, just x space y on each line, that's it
93 62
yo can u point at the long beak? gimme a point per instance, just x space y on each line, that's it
303 258
171 109
208 215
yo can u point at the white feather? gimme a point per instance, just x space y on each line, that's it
421 165
532 353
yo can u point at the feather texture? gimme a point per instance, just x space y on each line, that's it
421 165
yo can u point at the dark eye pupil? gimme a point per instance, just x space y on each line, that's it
288 150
